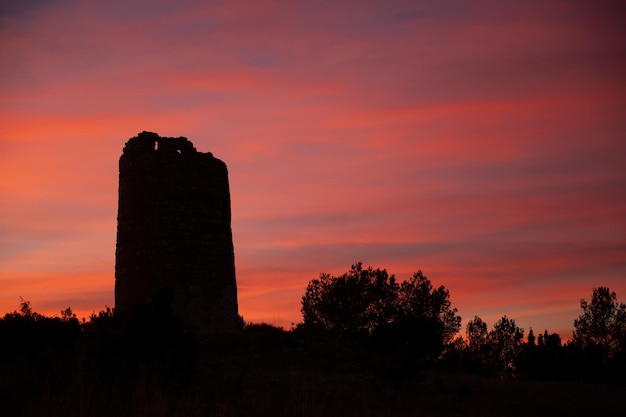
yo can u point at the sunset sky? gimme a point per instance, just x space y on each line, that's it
482 142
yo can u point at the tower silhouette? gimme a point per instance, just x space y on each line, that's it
174 239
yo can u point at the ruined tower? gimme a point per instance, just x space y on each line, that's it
174 233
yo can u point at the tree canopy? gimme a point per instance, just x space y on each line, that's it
366 301
476 334
602 324
505 341
355 302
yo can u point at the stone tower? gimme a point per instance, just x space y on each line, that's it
174 234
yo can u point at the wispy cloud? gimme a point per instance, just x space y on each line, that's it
482 143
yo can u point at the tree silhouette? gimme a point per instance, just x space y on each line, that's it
474 349
418 299
541 357
369 302
505 342
354 303
602 325
531 338
476 333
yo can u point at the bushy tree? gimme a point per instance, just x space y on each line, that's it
505 342
476 334
370 302
356 302
603 323
418 299
27 331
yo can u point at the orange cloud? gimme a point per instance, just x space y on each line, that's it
482 145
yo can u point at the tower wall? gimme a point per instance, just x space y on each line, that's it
174 233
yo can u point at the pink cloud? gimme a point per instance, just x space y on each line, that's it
482 145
